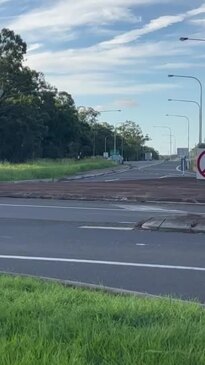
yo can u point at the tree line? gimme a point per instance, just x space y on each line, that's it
39 121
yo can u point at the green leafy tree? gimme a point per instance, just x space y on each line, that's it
133 139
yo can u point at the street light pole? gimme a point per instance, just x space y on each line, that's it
115 140
188 125
186 101
106 144
201 101
170 137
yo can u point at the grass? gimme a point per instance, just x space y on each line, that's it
48 324
46 169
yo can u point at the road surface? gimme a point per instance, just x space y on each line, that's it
97 243
144 170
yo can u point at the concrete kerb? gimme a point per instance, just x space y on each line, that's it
190 223
101 288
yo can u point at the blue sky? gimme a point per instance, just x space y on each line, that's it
117 54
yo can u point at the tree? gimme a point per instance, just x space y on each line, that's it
90 116
35 119
133 138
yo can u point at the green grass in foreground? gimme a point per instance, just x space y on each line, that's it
47 324
46 169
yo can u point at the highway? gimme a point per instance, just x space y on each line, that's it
97 243
144 170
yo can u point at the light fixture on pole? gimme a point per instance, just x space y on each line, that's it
188 125
184 39
170 137
201 101
186 101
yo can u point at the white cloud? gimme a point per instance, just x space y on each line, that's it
68 14
34 47
99 84
125 103
153 26
4 1
175 66
101 59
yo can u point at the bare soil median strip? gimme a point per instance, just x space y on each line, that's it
170 189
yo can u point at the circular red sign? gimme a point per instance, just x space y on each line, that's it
202 172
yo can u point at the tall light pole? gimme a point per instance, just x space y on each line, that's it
188 125
115 139
170 137
201 101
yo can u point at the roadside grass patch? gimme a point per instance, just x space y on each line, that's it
49 169
48 324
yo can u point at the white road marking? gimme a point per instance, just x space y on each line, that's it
57 207
98 262
141 244
151 165
127 222
111 180
108 228
132 208
147 208
178 168
164 177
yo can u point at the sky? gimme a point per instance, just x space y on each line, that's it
117 55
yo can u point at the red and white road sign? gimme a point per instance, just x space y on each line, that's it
201 165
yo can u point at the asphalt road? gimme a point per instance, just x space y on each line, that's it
97 243
144 170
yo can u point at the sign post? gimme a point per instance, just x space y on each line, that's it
201 164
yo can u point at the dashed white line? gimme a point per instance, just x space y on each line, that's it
111 180
108 228
99 262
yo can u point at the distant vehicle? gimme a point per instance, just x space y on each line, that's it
148 156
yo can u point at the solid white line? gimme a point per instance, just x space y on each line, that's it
127 222
108 228
57 207
98 262
164 177
151 165
111 180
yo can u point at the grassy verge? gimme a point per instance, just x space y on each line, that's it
47 324
49 169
